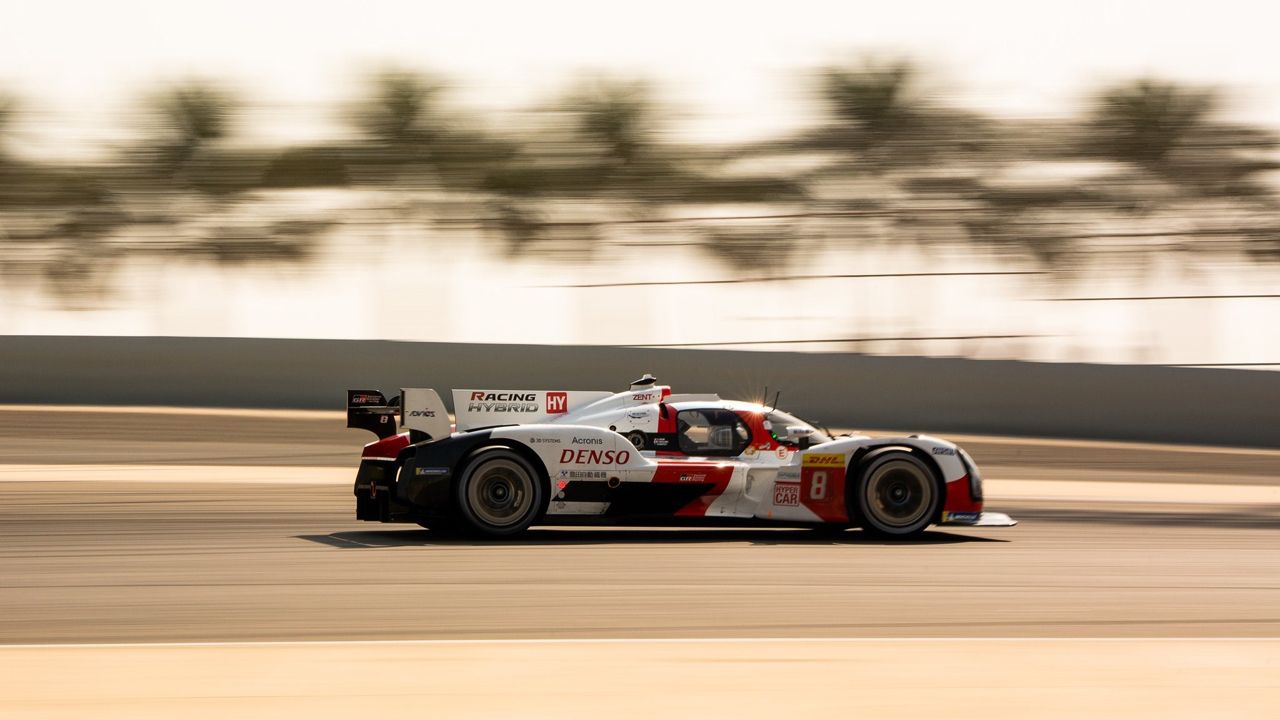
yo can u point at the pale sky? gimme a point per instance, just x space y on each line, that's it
734 67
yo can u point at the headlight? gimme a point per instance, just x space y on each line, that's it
975 479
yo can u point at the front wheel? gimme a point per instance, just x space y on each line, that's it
499 494
897 495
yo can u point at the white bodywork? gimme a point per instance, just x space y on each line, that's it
582 437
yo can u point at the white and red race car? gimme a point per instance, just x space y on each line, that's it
645 456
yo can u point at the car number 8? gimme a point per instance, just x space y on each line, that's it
818 486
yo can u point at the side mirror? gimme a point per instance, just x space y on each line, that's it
800 435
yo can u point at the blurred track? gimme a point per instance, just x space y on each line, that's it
123 561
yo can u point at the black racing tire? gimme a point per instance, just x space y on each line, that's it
897 495
499 494
636 438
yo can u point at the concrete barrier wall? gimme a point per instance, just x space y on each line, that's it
1210 406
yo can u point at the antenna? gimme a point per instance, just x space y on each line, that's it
644 382
765 396
775 400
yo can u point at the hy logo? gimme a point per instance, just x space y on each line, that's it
557 402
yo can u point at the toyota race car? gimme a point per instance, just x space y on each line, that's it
515 458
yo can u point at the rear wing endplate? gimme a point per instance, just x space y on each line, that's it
369 410
419 409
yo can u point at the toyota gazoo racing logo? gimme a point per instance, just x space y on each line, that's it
503 402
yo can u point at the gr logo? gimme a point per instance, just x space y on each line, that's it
557 402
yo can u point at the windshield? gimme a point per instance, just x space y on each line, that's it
712 432
776 422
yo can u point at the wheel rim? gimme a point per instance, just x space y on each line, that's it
500 493
899 494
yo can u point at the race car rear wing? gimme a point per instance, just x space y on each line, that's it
418 409
369 410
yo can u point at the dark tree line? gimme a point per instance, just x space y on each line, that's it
887 163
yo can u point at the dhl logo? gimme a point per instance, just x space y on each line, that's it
824 460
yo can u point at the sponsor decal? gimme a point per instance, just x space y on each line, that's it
661 442
594 457
503 402
786 494
557 402
637 415
366 400
419 471
581 475
783 453
422 413
480 395
943 451
502 407
544 440
824 460
644 397
695 477
960 517
587 441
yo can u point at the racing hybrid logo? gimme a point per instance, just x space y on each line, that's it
499 402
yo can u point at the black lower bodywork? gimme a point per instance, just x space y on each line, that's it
417 487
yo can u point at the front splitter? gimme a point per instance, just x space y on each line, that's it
983 519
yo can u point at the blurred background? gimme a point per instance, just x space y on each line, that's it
1091 182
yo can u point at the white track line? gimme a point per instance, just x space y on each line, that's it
339 415
1129 492
427 642
184 474
335 415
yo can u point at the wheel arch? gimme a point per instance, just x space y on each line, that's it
525 452
867 453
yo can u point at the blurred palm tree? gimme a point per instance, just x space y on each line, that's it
1170 131
876 101
1145 122
192 115
8 112
401 109
883 119
413 138
617 115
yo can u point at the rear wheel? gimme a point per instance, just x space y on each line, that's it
499 494
897 495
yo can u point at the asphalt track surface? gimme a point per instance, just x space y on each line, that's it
204 564
96 561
